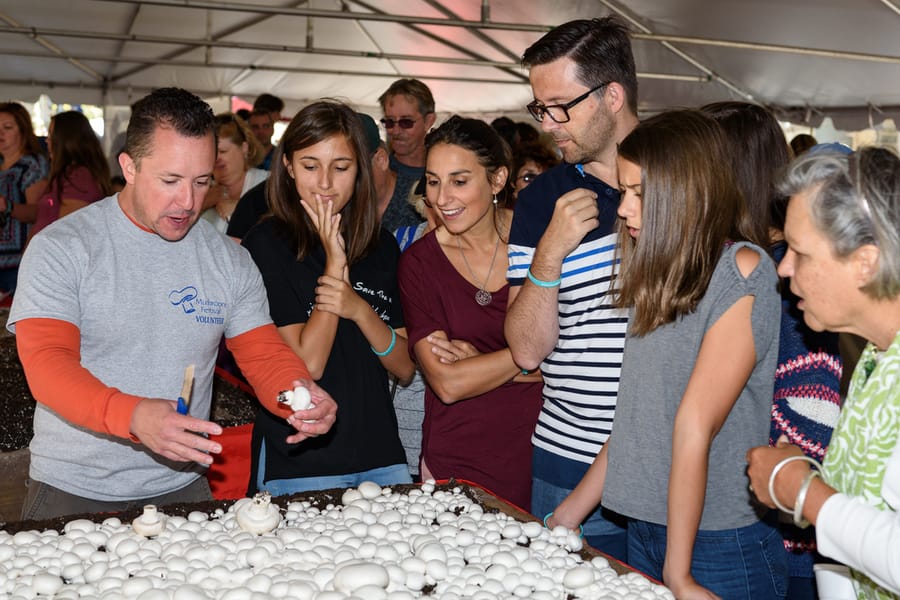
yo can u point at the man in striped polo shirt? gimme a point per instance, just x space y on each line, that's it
561 251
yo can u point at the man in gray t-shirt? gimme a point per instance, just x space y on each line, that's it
115 301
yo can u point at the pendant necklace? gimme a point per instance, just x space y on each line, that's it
482 296
224 206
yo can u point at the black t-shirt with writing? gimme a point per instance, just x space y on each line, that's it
365 434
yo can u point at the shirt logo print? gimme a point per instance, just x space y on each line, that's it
184 298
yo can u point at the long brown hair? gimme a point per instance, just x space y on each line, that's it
30 143
359 218
759 152
74 144
690 207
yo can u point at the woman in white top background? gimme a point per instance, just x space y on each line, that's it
233 172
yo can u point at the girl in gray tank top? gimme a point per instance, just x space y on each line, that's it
697 373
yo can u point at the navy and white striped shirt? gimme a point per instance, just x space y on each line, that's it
581 374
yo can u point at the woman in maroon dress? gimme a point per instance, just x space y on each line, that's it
480 407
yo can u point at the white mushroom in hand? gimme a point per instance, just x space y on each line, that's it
298 398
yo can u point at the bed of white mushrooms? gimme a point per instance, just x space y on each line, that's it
377 544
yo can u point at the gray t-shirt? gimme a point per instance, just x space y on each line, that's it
655 372
146 308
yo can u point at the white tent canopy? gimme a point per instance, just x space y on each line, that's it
805 59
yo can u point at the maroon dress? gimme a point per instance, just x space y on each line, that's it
487 438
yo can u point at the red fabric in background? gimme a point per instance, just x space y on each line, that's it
229 474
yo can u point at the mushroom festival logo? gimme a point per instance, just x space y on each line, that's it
203 311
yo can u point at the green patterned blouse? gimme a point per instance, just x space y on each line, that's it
864 439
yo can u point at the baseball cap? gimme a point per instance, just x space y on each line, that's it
370 128
830 148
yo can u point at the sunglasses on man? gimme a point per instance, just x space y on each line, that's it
404 123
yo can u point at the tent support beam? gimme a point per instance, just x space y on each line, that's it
300 70
249 22
890 4
485 7
515 73
309 70
745 94
272 11
38 39
333 14
194 44
132 19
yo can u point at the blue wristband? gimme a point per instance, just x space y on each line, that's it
390 347
541 282
580 527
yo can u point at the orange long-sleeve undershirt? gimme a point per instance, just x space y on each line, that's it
50 352
269 365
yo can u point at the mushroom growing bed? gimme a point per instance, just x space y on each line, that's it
449 541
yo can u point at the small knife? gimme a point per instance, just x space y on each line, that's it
184 400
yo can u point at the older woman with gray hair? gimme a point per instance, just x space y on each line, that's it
844 263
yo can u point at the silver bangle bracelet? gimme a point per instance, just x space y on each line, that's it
778 468
799 521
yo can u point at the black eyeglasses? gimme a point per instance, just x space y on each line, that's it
404 123
558 113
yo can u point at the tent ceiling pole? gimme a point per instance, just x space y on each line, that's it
515 73
126 88
298 70
678 52
474 30
307 70
53 48
131 89
193 44
335 14
332 14
121 45
249 22
840 54
362 28
890 4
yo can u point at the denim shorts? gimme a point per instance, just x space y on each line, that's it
744 563
383 476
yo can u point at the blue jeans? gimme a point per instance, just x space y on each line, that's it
604 530
802 588
383 476
744 563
